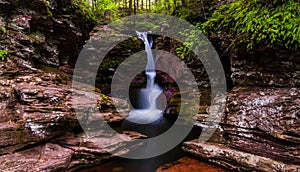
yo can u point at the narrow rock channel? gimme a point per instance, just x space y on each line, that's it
40 129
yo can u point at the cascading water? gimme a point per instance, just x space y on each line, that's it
148 96
146 119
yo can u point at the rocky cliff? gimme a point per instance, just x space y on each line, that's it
260 128
43 32
39 130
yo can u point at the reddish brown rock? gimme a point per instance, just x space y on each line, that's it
234 159
258 122
265 121
96 147
49 157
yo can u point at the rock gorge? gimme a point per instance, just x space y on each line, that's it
39 131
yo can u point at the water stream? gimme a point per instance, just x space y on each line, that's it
148 119
148 112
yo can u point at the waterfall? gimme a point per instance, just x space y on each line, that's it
147 96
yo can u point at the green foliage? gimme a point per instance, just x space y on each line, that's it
105 8
275 23
2 29
191 41
164 7
49 12
104 97
183 51
195 11
146 26
3 54
84 8
47 3
100 9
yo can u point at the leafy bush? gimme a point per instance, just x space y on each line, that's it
84 8
274 23
191 40
102 7
164 7
195 11
3 54
192 11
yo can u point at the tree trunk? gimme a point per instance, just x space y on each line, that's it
130 7
142 1
149 5
134 6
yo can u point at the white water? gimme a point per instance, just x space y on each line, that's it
147 97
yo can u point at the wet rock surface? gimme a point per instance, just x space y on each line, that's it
48 157
38 108
95 148
68 153
234 159
39 130
265 121
260 127
40 32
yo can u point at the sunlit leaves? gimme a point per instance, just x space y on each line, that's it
273 23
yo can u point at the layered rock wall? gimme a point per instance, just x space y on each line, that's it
260 127
39 130
42 32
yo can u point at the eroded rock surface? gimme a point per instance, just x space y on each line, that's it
265 121
48 157
43 32
266 68
234 159
39 130
36 108
260 128
68 153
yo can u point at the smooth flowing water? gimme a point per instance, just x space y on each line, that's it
148 112
148 119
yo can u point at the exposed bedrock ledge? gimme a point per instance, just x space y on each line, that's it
69 152
235 159
272 110
49 157
38 107
38 123
260 130
265 121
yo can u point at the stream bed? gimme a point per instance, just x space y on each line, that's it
183 164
